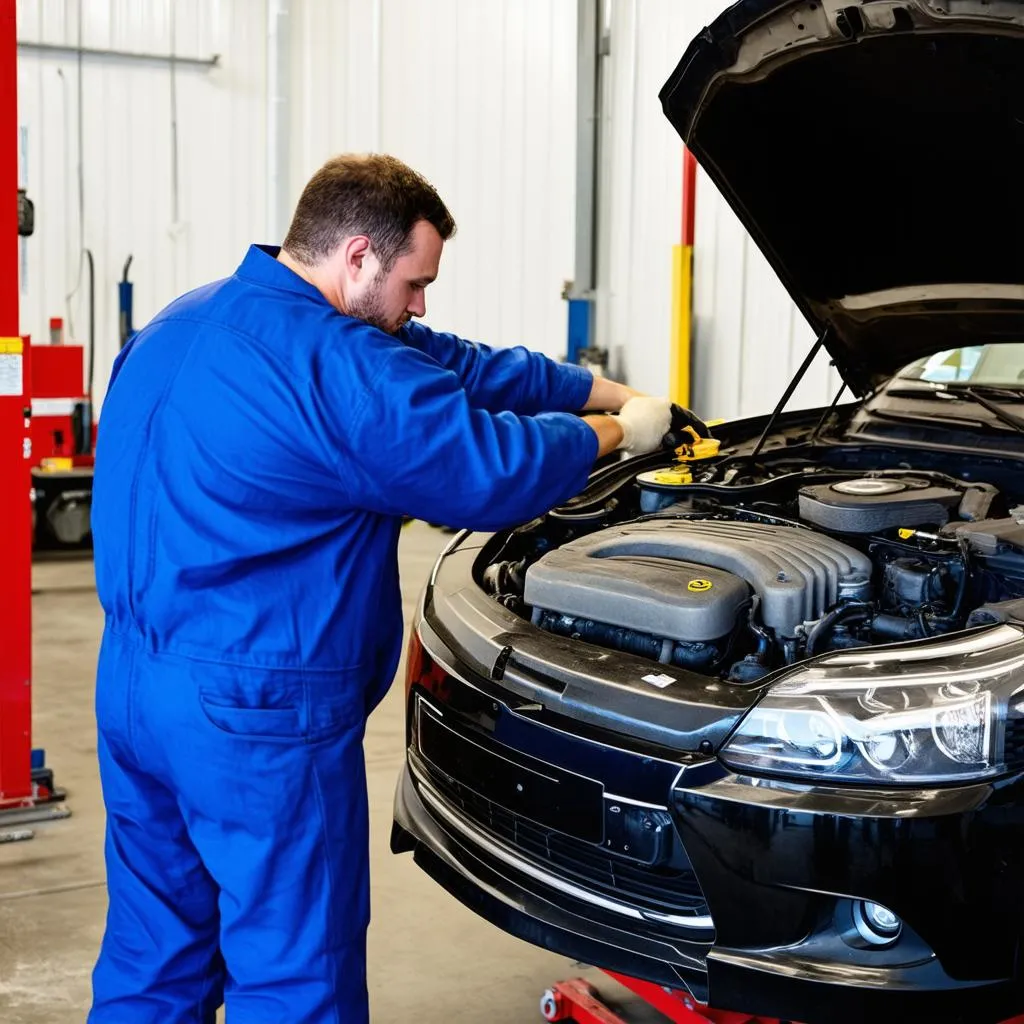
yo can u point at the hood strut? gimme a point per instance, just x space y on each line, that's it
788 393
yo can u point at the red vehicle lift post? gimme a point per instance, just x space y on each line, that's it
24 785
16 529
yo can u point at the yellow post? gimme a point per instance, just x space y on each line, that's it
682 323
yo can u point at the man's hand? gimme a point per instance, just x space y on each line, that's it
639 428
645 422
608 396
683 418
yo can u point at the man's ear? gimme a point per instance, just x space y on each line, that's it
358 256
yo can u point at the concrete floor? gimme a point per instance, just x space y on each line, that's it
430 959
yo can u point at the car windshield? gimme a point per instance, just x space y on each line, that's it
992 365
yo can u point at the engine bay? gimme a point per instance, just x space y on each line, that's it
735 569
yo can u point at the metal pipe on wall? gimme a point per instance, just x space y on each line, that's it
278 119
175 179
580 291
28 46
79 175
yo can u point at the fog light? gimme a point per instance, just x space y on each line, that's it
876 924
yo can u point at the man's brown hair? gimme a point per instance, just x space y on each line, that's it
375 195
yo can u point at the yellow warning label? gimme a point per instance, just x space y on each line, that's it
11 346
699 586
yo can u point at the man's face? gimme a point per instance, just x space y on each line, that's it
390 300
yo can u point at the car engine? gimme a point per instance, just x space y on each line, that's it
739 588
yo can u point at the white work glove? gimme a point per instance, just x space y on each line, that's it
645 422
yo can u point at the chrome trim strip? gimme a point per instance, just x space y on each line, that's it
426 705
616 799
1003 635
448 548
500 852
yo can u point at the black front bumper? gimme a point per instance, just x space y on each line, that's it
524 909
778 866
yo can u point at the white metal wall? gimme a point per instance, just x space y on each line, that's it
477 94
748 336
480 96
179 238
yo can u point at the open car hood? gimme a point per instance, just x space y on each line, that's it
875 152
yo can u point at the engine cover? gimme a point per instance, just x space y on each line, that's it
664 597
646 576
877 503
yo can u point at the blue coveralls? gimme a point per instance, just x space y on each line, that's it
256 454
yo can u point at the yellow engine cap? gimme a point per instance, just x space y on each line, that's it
705 448
698 448
676 475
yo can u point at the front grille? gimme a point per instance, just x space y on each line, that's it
663 890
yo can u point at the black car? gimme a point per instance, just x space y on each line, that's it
747 718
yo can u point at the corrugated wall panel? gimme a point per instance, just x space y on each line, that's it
129 198
479 95
334 93
748 337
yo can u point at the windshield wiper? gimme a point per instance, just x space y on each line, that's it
1011 419
910 388
979 395
991 391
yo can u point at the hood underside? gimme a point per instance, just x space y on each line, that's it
875 152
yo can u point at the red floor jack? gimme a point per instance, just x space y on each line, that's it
577 1000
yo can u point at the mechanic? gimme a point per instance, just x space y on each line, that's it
262 439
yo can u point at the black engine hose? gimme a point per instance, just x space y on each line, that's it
965 578
764 639
829 621
735 637
922 621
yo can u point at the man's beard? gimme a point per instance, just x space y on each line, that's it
371 308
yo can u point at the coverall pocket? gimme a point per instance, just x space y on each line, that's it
286 705
258 723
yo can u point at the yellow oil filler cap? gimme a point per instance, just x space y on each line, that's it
674 476
699 448
705 448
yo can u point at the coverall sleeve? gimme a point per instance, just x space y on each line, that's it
505 379
416 446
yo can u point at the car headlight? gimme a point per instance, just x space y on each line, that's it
912 713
